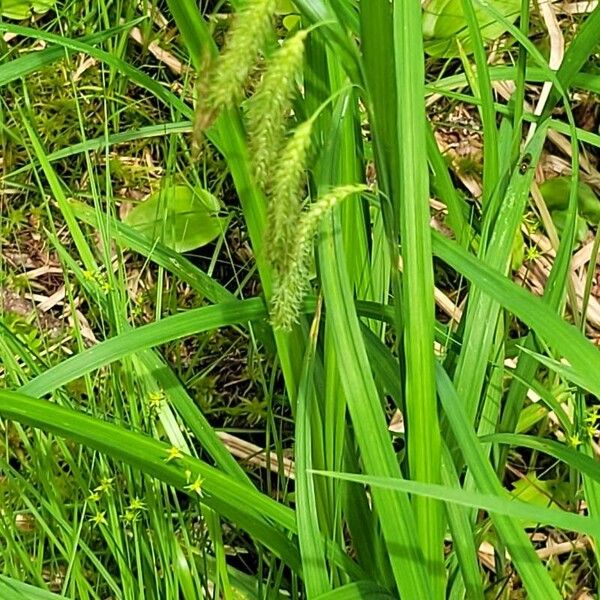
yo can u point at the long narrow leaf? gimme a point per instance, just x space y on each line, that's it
171 328
312 549
424 441
535 578
492 503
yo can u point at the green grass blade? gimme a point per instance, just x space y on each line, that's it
312 549
357 591
171 328
59 195
101 143
491 162
11 589
238 502
483 309
394 510
193 30
570 456
527 365
498 505
461 530
424 441
535 578
577 54
518 97
377 48
34 61
332 32
581 354
122 66
444 188
534 74
190 413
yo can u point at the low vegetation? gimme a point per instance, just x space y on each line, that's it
299 299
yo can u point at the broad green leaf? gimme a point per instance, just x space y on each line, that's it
556 196
23 9
157 252
445 25
290 21
182 217
544 493
559 218
285 7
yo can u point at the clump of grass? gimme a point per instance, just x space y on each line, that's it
112 538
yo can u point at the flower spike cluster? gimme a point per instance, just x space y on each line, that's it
279 160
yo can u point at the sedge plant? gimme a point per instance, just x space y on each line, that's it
346 312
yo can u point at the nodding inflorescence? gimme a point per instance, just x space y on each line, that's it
278 158
223 79
270 107
292 283
285 196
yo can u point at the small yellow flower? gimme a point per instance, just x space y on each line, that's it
195 487
93 497
155 399
130 516
137 504
106 485
574 440
106 287
89 275
173 453
99 519
532 253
